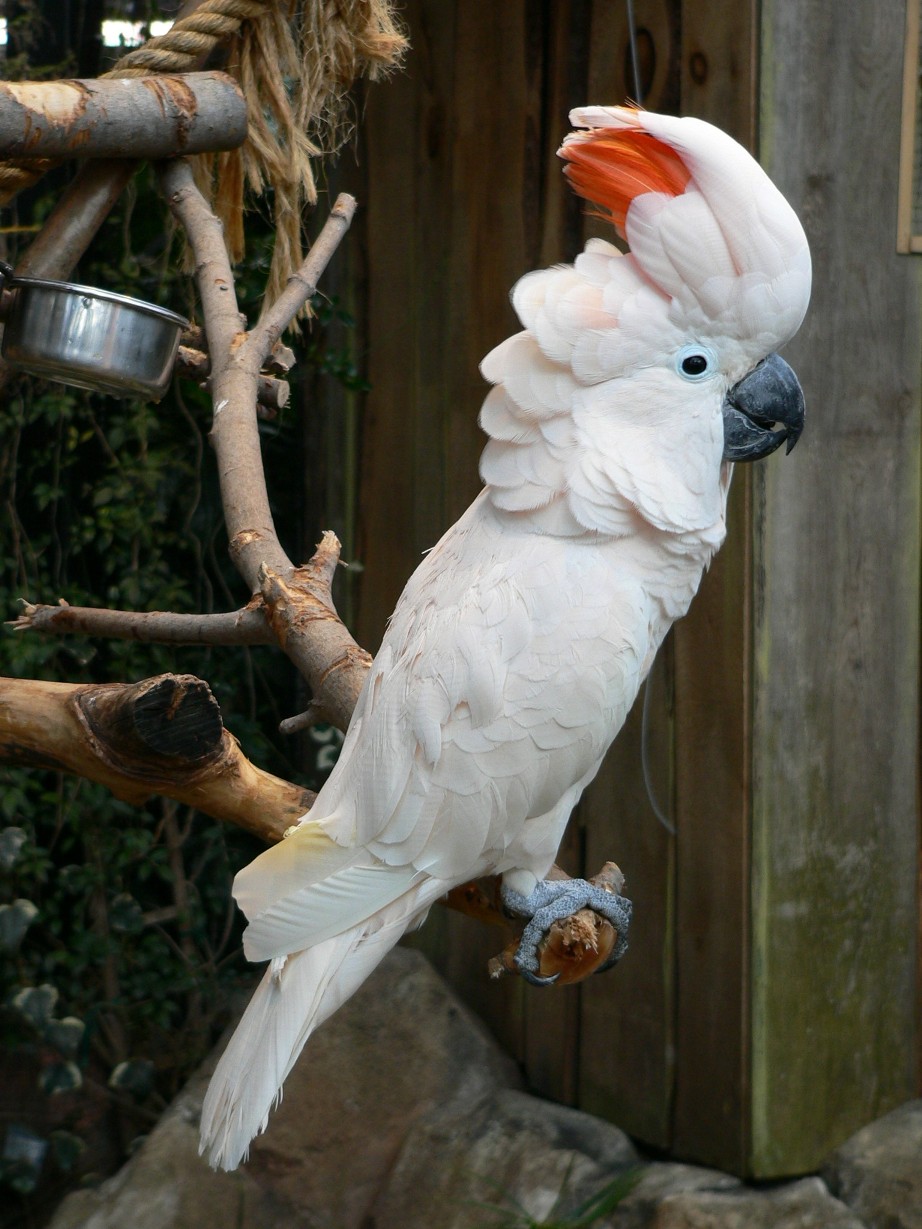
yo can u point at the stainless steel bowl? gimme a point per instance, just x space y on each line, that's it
90 338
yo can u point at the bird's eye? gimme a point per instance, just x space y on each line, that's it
696 362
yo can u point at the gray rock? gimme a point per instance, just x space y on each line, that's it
513 1152
796 1205
166 1185
405 1114
878 1172
658 1182
401 1048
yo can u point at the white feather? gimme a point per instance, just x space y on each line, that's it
520 642
287 1007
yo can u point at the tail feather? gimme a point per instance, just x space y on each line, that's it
290 1002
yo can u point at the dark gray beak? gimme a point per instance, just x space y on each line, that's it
763 411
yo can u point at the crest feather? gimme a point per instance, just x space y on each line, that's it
610 166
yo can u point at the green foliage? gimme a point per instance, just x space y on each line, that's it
119 942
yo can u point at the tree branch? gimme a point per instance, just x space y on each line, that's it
302 285
239 627
299 607
271 393
165 736
155 117
161 736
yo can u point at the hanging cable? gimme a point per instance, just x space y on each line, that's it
645 755
635 58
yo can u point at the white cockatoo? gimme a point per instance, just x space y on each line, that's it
520 642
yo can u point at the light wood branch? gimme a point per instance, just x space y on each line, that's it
272 394
239 627
298 603
165 736
161 736
154 117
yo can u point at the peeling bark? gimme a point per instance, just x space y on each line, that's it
152 117
161 736
240 627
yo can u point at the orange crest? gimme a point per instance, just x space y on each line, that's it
610 166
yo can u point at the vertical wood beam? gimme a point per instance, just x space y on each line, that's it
454 214
712 652
835 836
627 1018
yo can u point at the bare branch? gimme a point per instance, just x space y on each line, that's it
271 393
78 214
300 611
302 285
155 117
165 736
160 736
213 275
299 607
238 627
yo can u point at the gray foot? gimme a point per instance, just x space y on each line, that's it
552 901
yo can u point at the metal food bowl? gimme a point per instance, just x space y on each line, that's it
89 338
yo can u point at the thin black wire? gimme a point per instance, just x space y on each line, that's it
647 691
635 60
645 755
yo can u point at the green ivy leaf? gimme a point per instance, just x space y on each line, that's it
136 1077
19 1176
65 1035
11 841
125 914
60 1077
15 920
66 1148
36 1003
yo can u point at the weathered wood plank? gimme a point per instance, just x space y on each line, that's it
626 1036
835 836
450 142
407 217
627 1040
712 897
712 655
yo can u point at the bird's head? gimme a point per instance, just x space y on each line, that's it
715 249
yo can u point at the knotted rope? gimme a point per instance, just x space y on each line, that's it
321 46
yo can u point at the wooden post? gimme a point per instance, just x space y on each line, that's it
766 1007
712 653
836 609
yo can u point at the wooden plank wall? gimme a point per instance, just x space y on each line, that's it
835 838
801 647
710 1117
464 195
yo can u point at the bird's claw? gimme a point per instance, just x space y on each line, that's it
533 979
553 900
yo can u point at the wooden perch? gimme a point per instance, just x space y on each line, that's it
137 117
160 736
299 607
271 393
246 626
165 735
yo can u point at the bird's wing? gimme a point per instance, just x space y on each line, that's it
499 684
